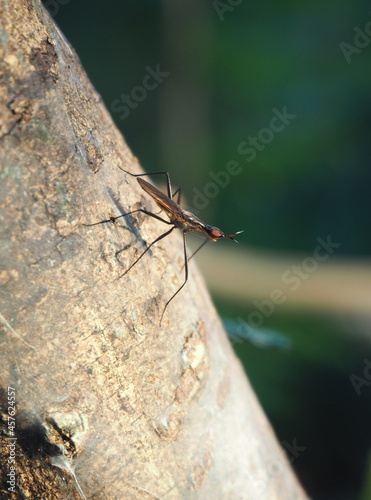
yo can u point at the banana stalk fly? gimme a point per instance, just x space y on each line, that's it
178 219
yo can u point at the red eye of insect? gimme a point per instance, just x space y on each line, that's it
215 233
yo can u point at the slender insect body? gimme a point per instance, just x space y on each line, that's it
178 218
182 219
190 223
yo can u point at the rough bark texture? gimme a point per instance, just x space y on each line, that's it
109 404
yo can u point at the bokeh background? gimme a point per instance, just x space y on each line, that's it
224 69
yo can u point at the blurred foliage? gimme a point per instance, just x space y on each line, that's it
312 179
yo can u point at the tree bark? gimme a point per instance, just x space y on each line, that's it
108 403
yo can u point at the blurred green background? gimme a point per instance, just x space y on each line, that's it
223 70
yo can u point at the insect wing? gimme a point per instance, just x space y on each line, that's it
161 199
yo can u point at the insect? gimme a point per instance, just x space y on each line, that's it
178 218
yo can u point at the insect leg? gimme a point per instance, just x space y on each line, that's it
179 193
149 246
199 248
168 183
185 279
112 219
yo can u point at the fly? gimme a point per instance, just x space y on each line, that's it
178 219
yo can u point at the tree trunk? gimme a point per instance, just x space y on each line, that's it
108 403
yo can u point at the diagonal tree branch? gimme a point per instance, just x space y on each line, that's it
104 397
